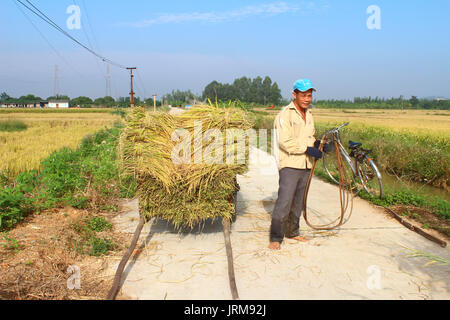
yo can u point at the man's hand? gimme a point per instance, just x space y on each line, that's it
317 144
314 152
327 146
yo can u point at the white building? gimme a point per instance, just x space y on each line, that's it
22 105
58 104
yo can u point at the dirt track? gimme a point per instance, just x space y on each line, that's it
367 258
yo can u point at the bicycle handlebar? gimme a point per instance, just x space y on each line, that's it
341 126
335 130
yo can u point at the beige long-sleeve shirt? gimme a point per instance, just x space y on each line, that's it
294 136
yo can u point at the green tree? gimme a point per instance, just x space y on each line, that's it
59 97
29 99
246 90
414 101
256 91
266 90
149 102
99 102
228 92
179 98
275 94
4 97
109 101
105 102
82 102
242 86
210 91
123 102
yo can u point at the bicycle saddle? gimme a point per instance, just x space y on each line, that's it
353 145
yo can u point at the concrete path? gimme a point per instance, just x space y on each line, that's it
176 111
367 258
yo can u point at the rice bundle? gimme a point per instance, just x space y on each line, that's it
190 191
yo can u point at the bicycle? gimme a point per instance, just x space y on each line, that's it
360 173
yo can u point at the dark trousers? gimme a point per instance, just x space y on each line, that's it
288 208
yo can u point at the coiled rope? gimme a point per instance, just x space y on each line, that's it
345 190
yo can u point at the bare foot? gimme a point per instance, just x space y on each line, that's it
274 246
299 238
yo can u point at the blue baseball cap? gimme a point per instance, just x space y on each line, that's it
303 85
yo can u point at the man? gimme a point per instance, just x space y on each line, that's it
297 150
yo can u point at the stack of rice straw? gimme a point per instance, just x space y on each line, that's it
188 191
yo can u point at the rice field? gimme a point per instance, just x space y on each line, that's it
436 122
46 132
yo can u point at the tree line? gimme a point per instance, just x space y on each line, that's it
383 103
253 92
257 90
81 102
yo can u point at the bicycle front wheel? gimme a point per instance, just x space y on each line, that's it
370 177
330 165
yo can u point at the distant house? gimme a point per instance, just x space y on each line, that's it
20 105
58 104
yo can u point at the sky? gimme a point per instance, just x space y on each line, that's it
345 49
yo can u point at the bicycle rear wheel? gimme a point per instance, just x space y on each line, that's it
370 177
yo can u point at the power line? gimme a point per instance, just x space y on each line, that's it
46 40
42 16
90 25
84 30
46 19
91 46
107 76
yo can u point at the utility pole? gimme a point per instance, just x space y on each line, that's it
154 102
131 93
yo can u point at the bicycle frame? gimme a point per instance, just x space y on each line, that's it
343 151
